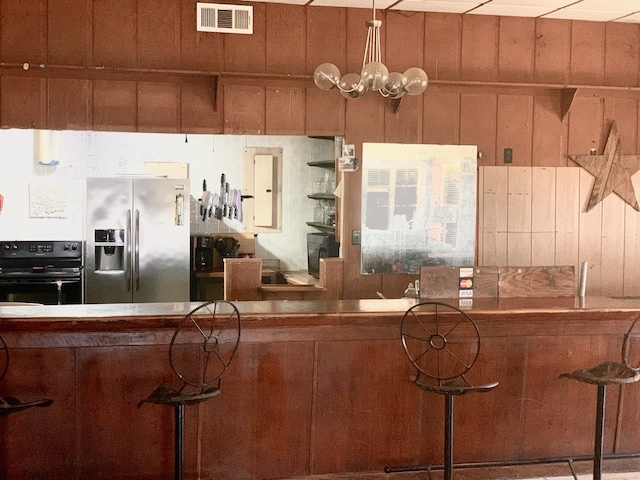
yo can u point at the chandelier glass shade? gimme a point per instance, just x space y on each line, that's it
374 74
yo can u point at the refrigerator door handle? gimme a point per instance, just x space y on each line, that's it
127 263
136 258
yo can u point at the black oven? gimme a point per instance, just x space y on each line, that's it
47 272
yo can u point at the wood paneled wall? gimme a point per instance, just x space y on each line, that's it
496 82
536 216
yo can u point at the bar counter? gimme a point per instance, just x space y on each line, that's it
317 387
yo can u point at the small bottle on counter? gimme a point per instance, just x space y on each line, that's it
410 291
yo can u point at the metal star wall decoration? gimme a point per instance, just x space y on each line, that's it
613 171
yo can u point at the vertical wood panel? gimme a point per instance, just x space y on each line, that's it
336 419
364 123
114 106
480 217
549 137
587 53
478 125
516 49
202 51
69 104
285 111
613 212
515 117
69 39
158 36
441 122
332 119
158 107
286 35
585 126
624 111
37 437
442 41
247 53
396 56
567 214
108 391
622 46
519 216
326 37
23 31
198 108
590 238
494 216
543 219
357 36
244 110
114 33
553 46
631 258
479 40
404 126
21 102
246 438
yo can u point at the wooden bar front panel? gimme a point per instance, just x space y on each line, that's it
309 394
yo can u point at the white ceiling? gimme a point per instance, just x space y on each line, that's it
593 10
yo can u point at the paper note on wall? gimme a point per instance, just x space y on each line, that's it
47 200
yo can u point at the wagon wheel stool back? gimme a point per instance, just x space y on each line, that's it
610 373
443 343
12 404
201 350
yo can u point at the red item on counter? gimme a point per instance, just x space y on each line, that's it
1 201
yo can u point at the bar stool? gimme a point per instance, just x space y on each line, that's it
443 343
201 349
10 405
609 373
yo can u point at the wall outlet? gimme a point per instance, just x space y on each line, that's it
508 155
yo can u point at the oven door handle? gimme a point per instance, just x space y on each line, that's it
127 262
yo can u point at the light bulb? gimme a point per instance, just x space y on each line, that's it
374 75
326 76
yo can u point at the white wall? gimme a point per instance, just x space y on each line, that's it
45 202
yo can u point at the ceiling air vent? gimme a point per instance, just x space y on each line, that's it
221 18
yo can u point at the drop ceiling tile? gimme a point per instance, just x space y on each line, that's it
380 4
633 18
459 6
290 2
511 10
589 15
548 4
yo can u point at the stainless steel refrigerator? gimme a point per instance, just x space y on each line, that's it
137 240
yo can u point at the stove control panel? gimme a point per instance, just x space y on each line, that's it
49 249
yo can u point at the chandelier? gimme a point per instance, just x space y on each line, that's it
374 74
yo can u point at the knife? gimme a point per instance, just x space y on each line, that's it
204 196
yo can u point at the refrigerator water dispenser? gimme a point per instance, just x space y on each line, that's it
109 247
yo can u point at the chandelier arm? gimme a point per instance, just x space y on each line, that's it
367 48
378 56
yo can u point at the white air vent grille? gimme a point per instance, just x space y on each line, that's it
222 18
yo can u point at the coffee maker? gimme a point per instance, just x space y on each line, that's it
203 254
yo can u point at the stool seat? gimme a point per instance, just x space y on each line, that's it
11 404
605 374
456 386
166 395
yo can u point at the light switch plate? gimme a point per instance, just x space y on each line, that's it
355 237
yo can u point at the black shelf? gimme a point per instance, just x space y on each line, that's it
322 226
322 196
323 164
